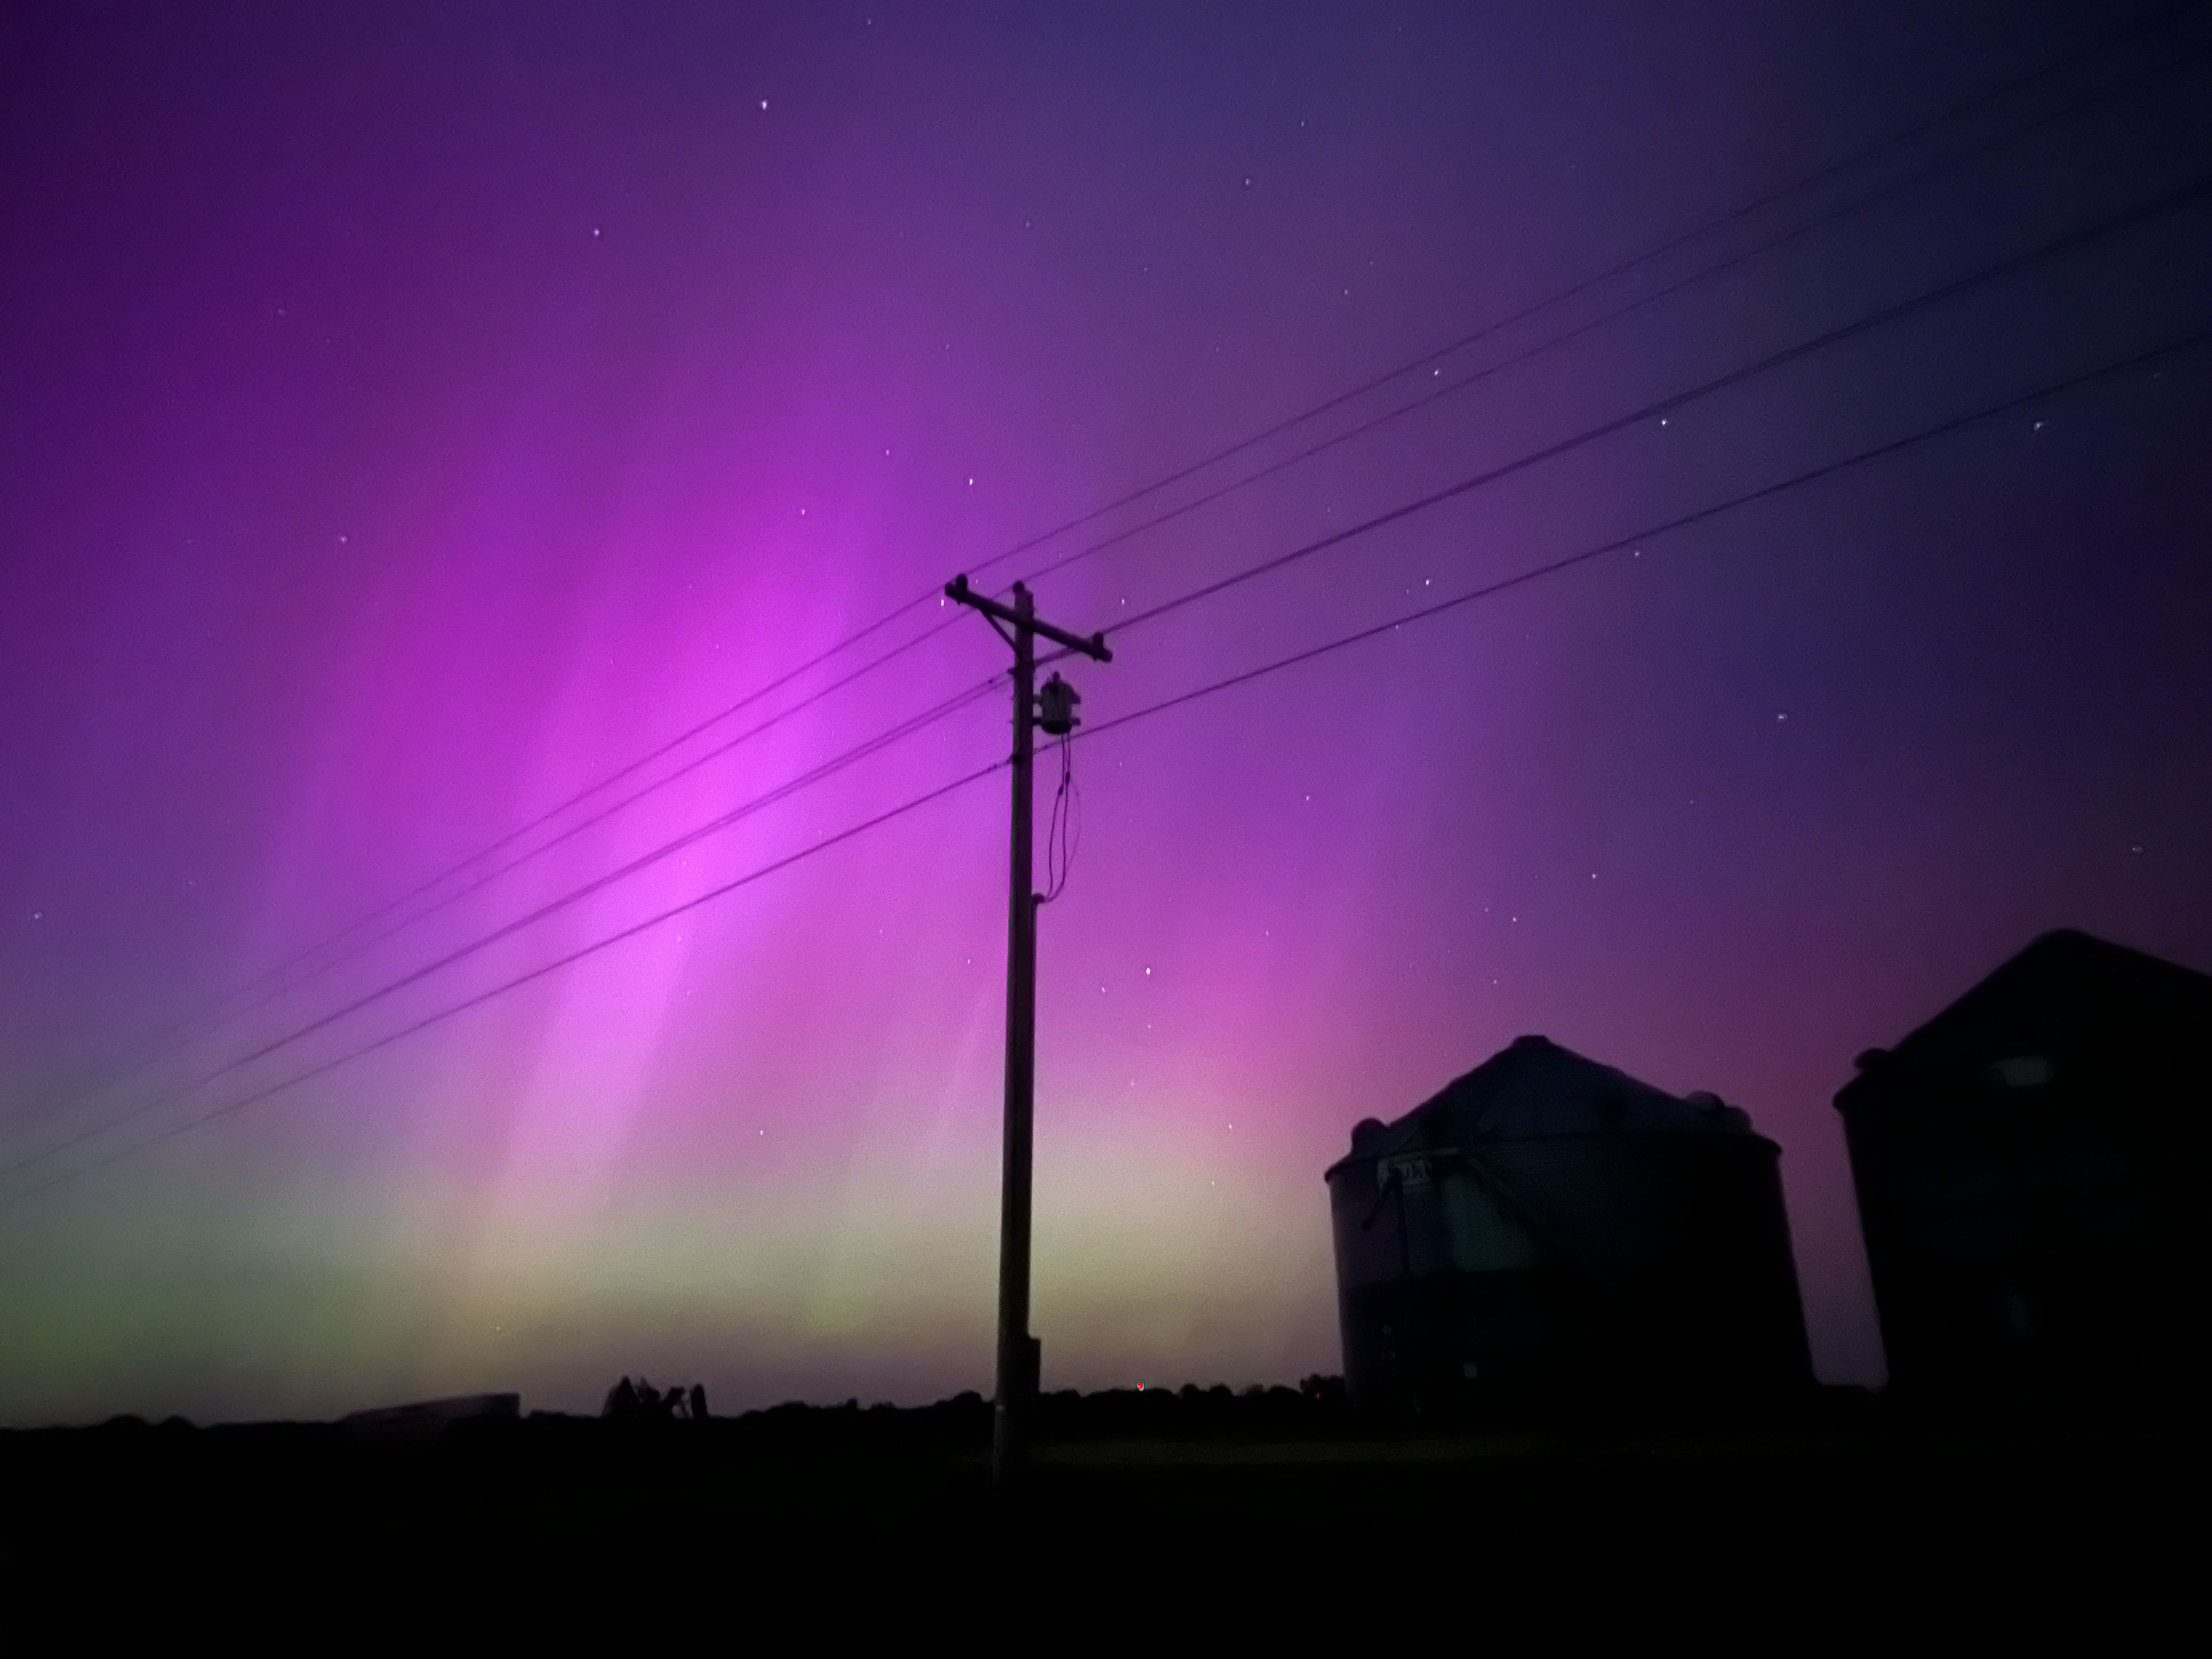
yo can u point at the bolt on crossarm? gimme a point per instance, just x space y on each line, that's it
1018 1355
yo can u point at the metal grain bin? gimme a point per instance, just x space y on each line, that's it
1549 1230
2034 1172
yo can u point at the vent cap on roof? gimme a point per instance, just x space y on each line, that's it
1718 1110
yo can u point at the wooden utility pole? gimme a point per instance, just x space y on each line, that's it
1019 1352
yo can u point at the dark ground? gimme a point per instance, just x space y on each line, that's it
1160 1514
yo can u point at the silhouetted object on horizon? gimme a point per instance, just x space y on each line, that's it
2033 1168
640 1402
1547 1230
432 1417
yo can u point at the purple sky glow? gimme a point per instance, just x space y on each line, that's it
414 413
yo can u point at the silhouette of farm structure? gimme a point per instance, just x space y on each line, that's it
1549 1230
1545 1231
2034 1174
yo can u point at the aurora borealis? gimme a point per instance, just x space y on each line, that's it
415 413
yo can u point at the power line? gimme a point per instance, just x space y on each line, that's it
2143 27
519 980
1837 213
1063 830
1650 532
2126 218
1528 353
645 861
2052 248
1989 412
481 882
1844 209
162 1044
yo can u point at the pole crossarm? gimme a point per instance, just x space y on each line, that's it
1095 646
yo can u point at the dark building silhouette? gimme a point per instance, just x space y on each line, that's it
2033 1168
1547 1229
428 1418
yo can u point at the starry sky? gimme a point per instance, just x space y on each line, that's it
416 413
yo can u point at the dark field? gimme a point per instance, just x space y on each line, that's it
1262 1510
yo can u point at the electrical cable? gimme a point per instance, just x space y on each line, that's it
1436 395
171 1038
653 856
2171 201
1652 532
2018 401
481 882
440 1016
1071 828
1059 843
2143 27
2052 248
1528 353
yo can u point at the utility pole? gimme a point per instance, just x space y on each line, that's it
1019 1354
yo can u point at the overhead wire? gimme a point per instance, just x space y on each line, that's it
1212 588
2146 27
529 976
1436 395
446 901
655 855
1466 382
1061 831
2011 404
2053 247
165 1042
2127 218
2149 24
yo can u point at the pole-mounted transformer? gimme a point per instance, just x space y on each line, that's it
1056 700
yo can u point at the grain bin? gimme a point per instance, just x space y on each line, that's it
2034 1173
1548 1231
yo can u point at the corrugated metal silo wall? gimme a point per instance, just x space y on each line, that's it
1543 1270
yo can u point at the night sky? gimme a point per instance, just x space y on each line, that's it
414 414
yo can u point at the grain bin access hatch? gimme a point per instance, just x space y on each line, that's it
1549 1230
